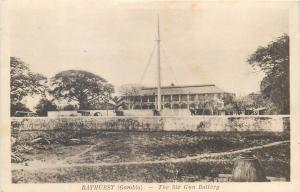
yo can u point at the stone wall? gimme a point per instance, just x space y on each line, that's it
175 112
102 112
152 123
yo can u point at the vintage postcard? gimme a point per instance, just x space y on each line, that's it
149 96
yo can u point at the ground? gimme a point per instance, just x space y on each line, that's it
97 156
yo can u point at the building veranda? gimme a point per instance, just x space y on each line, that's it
179 97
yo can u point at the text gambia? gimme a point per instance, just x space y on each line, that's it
95 187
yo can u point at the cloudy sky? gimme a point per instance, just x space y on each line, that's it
203 42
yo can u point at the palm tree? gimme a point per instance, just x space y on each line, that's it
117 102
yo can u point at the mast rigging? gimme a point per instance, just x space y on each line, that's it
158 68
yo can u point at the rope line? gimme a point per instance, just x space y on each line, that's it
168 63
148 64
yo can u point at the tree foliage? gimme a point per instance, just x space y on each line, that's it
44 106
112 103
17 106
117 102
80 86
252 101
69 107
273 60
130 89
23 82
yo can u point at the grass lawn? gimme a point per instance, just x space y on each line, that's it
115 147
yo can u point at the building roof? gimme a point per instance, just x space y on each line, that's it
188 89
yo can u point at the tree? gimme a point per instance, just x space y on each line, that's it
80 86
129 91
252 100
69 107
23 83
117 102
44 106
228 99
273 60
112 103
18 106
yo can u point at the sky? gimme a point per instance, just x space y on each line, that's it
202 42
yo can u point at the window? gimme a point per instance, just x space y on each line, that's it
175 98
145 99
167 105
145 107
175 106
183 97
183 106
151 99
152 106
192 97
193 105
167 98
137 107
201 97
137 99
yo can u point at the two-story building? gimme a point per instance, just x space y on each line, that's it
178 97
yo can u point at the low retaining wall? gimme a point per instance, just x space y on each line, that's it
175 112
135 112
161 123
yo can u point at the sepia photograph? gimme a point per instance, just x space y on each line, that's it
149 92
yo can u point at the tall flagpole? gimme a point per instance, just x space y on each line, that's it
158 68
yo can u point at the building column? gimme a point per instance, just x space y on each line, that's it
171 102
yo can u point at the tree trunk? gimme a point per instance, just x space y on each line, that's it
83 104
